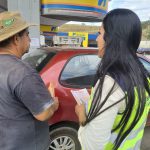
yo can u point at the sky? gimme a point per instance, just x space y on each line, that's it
140 7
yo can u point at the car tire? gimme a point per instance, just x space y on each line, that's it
64 138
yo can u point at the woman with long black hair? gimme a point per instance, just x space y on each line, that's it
119 108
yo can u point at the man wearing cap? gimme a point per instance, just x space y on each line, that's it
25 103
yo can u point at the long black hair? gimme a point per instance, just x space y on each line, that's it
122 38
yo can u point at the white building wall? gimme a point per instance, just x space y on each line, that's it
30 10
145 44
3 5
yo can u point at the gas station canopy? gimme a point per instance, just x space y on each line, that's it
75 10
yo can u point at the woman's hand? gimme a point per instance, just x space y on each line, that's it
81 113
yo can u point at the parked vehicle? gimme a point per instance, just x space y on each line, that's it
68 69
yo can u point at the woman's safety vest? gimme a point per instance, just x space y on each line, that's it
133 139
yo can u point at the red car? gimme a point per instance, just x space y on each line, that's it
68 69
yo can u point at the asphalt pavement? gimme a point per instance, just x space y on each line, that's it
146 139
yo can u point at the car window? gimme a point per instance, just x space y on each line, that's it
38 59
80 71
146 64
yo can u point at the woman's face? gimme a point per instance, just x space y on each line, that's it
101 42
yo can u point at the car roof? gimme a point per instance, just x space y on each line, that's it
58 49
143 57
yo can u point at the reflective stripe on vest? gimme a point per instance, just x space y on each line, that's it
133 140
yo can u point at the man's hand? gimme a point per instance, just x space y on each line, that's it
51 89
55 105
48 113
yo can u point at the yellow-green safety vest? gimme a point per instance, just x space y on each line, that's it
133 139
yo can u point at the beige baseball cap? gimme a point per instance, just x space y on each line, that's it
11 23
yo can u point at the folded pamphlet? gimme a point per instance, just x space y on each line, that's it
81 96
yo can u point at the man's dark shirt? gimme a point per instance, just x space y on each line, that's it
22 95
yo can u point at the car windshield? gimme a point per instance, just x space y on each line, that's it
38 59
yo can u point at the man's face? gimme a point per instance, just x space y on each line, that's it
24 42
